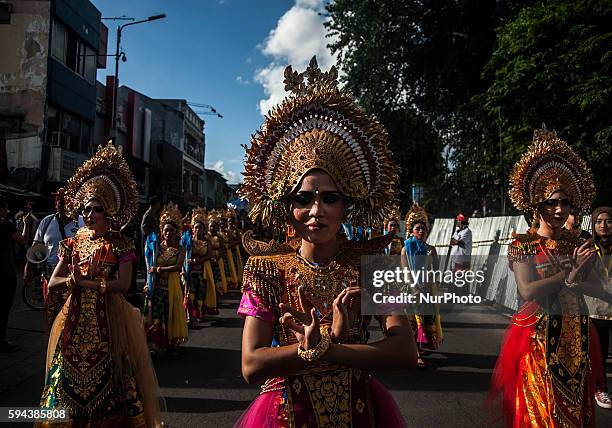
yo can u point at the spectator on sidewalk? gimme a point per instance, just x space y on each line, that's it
150 219
8 273
461 249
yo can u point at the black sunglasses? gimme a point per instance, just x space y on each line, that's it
97 209
563 202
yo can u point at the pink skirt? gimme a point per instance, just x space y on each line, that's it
265 411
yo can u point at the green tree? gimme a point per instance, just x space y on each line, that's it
417 65
553 64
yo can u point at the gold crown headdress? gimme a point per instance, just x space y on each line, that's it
171 214
107 178
548 166
198 215
416 214
319 126
214 216
394 215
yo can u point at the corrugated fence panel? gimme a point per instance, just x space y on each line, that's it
490 239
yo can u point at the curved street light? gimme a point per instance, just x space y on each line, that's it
120 54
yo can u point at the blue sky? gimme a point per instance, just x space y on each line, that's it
226 53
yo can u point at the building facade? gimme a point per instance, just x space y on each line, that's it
48 90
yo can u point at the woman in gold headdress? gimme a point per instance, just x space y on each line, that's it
231 273
391 227
318 160
166 320
416 254
98 366
196 283
235 241
217 244
545 374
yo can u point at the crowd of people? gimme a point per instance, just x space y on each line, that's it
320 180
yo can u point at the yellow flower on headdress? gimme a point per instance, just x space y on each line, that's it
171 214
107 178
416 214
549 166
319 126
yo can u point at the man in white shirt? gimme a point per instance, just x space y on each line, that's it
51 230
461 250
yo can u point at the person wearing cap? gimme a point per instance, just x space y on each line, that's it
51 230
461 244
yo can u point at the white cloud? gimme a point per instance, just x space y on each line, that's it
242 80
229 175
298 36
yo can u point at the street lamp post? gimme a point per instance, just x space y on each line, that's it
116 81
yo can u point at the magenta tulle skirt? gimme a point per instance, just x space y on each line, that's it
266 409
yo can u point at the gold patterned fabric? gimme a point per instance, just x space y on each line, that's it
550 340
98 367
319 126
324 394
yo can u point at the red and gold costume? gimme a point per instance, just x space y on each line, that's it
98 365
545 375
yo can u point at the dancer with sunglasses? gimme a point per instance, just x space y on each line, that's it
98 366
317 161
549 363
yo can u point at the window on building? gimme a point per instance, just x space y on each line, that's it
69 131
58 41
71 51
194 184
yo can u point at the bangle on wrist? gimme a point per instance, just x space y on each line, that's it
317 352
69 283
569 284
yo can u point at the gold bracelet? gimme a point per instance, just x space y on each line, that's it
570 284
103 286
69 283
317 352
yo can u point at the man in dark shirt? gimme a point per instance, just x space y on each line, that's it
150 219
8 272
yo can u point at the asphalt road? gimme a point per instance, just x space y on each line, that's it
203 386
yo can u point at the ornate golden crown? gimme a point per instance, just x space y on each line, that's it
394 215
416 214
548 166
171 214
318 126
107 178
198 215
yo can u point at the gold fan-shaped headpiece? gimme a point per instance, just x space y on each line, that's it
105 177
549 166
319 126
394 215
171 214
199 215
416 214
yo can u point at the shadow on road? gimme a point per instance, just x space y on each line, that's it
204 405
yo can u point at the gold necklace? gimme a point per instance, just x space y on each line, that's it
322 284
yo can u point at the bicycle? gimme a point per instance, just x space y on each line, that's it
34 292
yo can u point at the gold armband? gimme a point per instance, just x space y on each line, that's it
317 352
